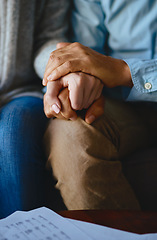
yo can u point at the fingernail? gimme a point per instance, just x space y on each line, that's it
90 119
49 78
55 108
44 82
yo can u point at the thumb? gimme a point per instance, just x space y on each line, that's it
53 89
96 110
66 111
62 44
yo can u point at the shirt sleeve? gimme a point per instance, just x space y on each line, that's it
88 26
52 27
144 74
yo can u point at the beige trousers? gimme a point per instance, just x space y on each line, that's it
86 159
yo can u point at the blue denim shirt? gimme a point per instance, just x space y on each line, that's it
124 29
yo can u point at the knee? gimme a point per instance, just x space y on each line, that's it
22 126
74 149
103 134
70 143
20 116
73 146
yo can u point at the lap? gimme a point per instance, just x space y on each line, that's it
22 116
21 109
120 131
86 158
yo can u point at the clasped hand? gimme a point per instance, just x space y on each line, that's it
66 112
81 91
84 72
75 57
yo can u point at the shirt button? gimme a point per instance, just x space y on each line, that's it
148 86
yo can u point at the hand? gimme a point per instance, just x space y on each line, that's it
83 88
66 111
75 57
96 110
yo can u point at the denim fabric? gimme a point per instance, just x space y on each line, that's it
22 161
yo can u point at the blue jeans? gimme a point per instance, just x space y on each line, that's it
22 160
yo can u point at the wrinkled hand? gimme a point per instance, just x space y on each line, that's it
96 110
66 112
75 57
83 88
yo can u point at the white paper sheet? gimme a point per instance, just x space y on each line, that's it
44 224
39 224
98 232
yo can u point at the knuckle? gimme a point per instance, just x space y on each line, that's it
69 64
87 58
51 56
46 98
79 48
78 80
48 115
47 112
76 45
83 50
76 106
58 45
57 59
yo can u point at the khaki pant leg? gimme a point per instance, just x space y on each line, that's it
85 158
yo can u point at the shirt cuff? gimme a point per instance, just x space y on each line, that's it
144 74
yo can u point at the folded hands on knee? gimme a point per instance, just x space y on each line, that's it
75 76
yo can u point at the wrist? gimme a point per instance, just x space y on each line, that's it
119 73
127 80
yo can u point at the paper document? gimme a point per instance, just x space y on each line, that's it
39 224
44 224
98 232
